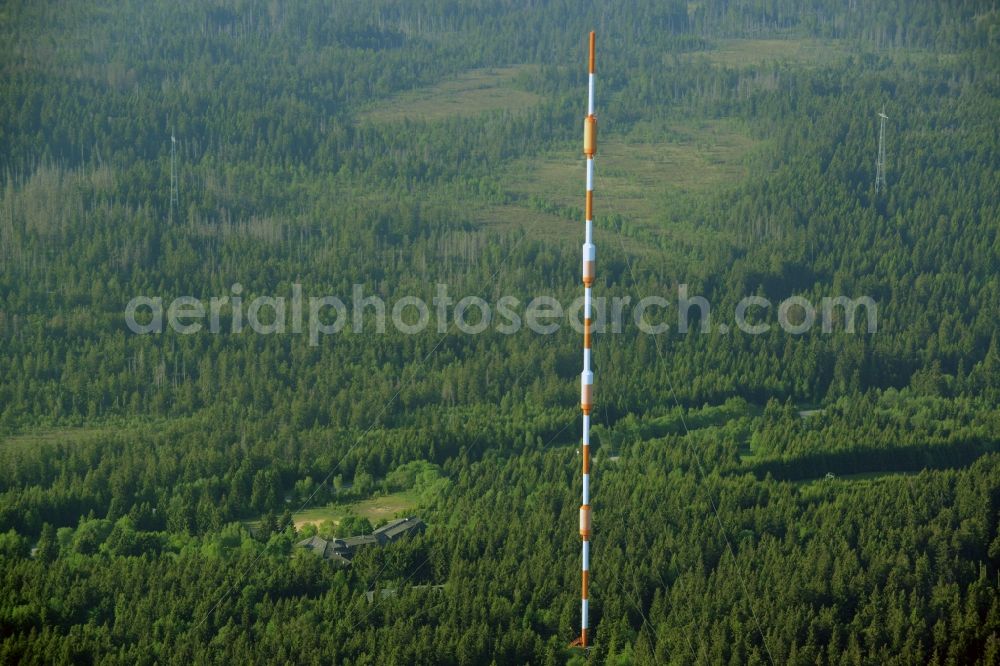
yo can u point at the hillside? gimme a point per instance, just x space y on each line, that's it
809 493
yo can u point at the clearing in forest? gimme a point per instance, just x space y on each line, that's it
374 509
467 94
747 53
43 436
643 177
636 173
755 52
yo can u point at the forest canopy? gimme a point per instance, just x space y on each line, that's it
828 497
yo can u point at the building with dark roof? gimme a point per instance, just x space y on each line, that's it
333 549
355 542
342 550
397 529
389 592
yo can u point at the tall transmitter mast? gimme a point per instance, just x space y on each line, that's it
880 161
587 376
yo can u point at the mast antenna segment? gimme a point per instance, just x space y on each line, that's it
587 376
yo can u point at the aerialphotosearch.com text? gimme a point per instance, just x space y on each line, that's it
320 316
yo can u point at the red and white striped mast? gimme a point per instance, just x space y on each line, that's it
587 376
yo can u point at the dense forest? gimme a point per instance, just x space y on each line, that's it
824 497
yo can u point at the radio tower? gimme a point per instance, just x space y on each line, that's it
174 196
880 161
587 376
